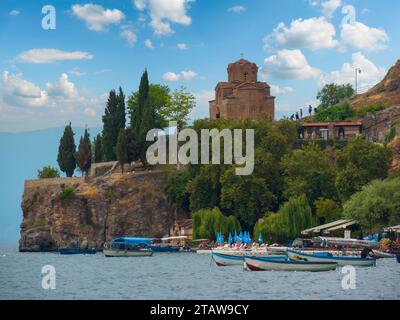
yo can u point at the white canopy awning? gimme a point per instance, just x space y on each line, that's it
329 226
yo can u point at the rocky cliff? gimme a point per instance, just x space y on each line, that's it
385 92
74 212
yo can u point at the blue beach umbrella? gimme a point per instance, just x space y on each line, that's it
260 238
240 236
235 237
230 238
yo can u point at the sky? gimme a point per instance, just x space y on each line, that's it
54 71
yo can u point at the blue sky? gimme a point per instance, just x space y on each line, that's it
51 77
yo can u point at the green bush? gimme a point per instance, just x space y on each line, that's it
67 193
336 113
48 172
362 112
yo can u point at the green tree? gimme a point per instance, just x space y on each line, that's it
327 210
113 122
208 222
205 188
359 163
179 107
376 206
98 152
246 197
84 155
159 95
331 94
309 171
122 149
294 216
66 152
48 172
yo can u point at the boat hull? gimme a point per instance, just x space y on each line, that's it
233 259
265 264
341 261
70 251
163 248
123 253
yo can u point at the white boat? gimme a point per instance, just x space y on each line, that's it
267 264
229 258
327 257
128 247
128 253
203 251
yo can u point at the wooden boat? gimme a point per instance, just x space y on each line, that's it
233 258
163 248
327 257
69 251
127 253
267 264
128 247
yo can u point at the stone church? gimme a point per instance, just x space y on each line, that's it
242 96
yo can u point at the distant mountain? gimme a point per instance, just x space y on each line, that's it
385 92
21 156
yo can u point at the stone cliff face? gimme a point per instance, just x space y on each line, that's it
93 212
385 92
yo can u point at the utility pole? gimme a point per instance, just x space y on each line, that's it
357 71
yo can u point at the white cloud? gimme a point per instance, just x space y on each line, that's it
202 109
149 44
183 76
22 93
237 9
313 33
64 88
361 37
96 17
165 12
182 46
14 13
52 55
329 7
277 90
289 64
102 71
90 112
76 72
370 73
129 36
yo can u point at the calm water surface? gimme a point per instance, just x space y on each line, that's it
179 276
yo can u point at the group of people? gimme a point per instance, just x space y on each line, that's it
302 112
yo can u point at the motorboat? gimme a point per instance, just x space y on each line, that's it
128 247
268 264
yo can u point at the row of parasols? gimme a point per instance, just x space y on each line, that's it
242 237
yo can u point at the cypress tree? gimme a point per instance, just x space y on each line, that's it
66 152
143 95
98 153
84 154
113 122
121 149
121 112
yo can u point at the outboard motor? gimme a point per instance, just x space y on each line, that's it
366 252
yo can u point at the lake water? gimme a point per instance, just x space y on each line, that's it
180 276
